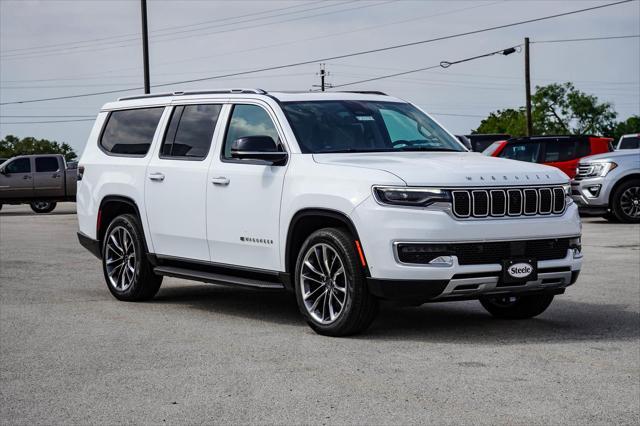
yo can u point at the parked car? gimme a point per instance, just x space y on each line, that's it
38 180
480 141
562 152
342 198
609 185
629 141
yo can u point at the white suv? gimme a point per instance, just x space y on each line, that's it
342 198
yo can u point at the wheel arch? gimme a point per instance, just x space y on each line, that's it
112 206
307 221
621 181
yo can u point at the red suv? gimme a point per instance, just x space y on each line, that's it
563 152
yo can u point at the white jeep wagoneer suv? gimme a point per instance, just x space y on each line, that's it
342 198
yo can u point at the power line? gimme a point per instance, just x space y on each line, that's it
586 39
137 34
363 52
442 64
132 41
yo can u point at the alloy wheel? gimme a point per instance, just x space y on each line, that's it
120 258
324 283
630 202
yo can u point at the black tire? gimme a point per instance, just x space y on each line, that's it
143 284
43 206
359 307
624 197
516 307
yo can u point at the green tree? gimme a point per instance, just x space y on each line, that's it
630 125
556 109
11 146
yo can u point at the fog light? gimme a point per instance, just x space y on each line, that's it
575 244
442 261
594 190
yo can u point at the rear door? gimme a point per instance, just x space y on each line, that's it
565 154
48 177
16 181
522 151
175 190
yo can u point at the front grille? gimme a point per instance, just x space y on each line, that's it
484 253
508 202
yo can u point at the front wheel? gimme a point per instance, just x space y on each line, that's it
128 273
43 206
331 288
626 202
516 307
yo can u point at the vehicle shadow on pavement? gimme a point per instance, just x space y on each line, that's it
464 322
565 320
273 306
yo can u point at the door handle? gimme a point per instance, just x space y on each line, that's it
55 175
159 177
223 181
26 177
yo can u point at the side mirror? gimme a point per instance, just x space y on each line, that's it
3 171
262 148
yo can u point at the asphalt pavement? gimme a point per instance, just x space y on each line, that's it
199 353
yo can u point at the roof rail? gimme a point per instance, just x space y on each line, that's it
365 92
195 92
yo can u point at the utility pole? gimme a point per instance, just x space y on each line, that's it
323 73
527 80
145 46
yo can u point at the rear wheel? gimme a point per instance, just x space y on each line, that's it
516 307
43 206
625 203
331 289
128 273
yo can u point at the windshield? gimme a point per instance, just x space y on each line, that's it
365 126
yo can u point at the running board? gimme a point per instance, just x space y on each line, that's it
214 278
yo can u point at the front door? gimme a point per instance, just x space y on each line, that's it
175 190
16 180
243 196
48 178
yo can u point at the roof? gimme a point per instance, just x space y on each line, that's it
157 99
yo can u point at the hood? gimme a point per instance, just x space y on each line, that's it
613 154
449 168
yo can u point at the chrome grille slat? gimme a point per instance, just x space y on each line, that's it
513 202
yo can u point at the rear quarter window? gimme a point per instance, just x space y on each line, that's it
130 132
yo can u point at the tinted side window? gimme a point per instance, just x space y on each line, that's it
46 164
560 151
190 131
583 148
21 165
130 131
248 120
631 142
529 152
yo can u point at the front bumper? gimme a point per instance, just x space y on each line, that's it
591 195
381 227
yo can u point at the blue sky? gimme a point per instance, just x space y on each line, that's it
57 48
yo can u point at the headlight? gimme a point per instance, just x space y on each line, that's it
600 169
416 197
